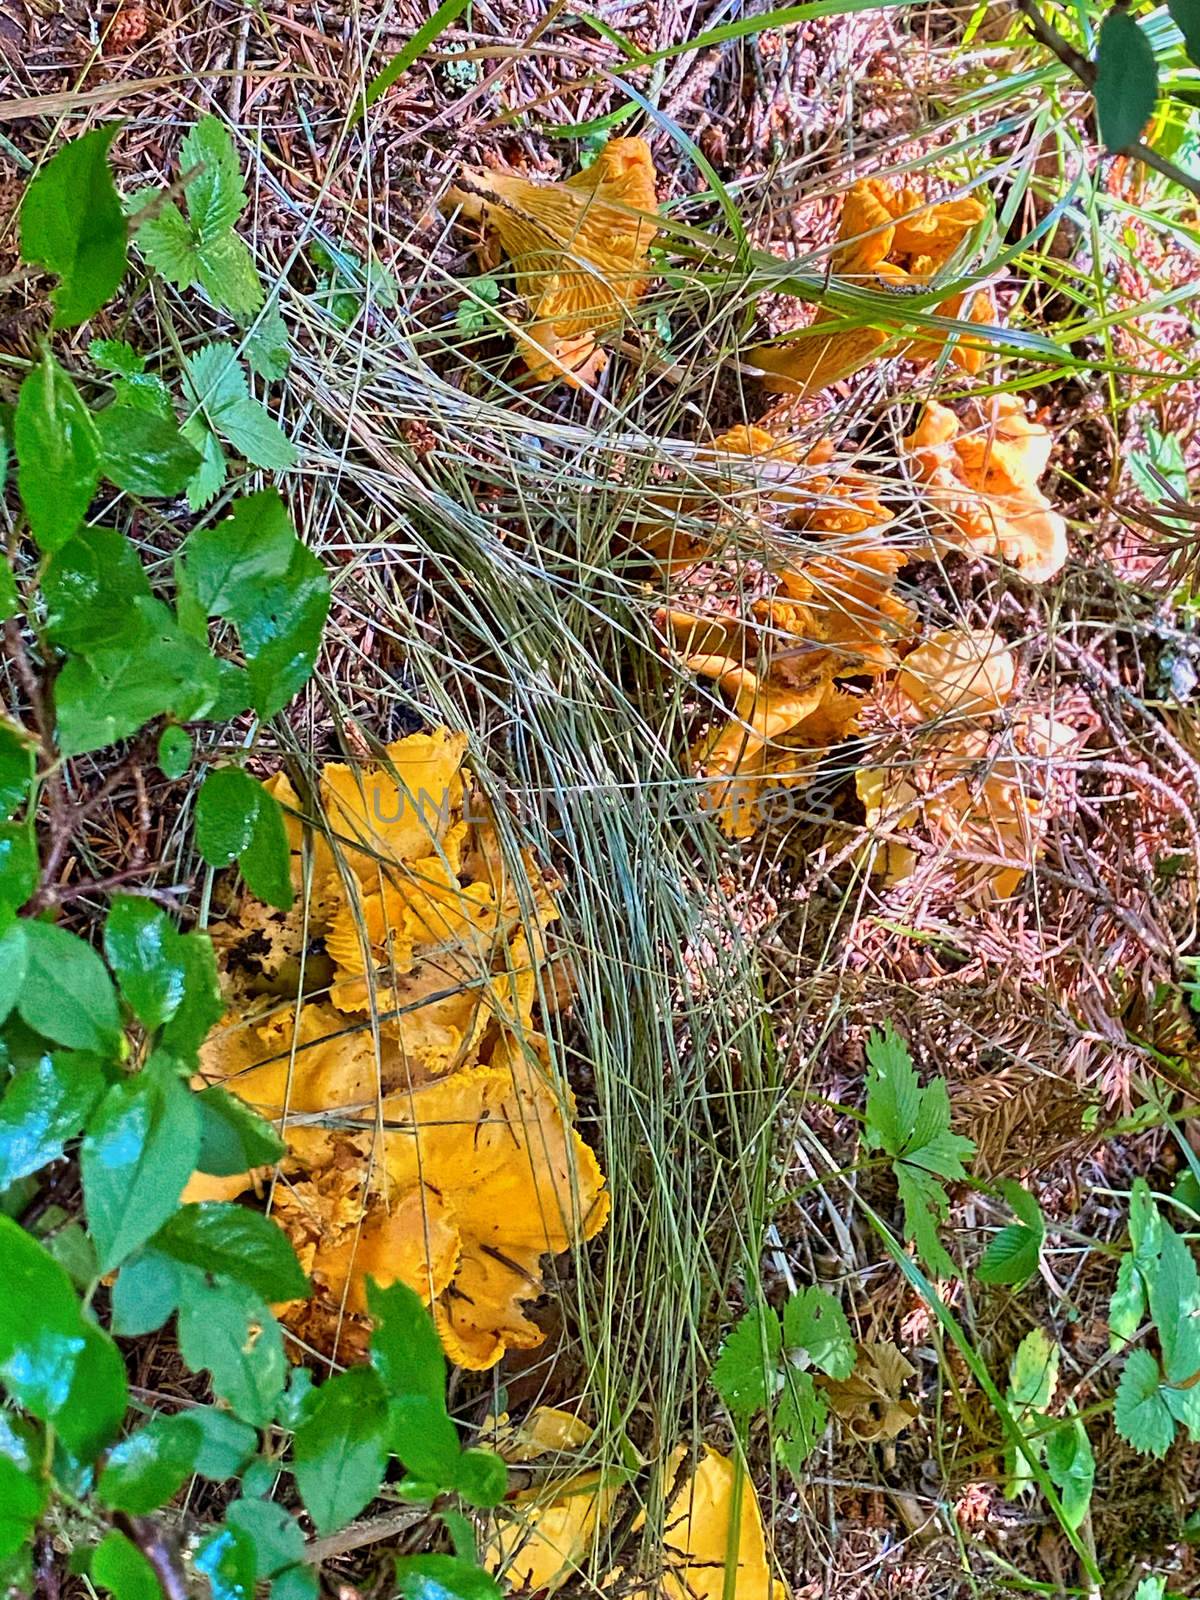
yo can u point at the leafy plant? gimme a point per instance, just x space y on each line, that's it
1013 1255
1157 1279
766 1365
911 1125
99 1045
1064 1446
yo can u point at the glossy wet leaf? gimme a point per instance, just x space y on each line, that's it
143 452
146 1469
145 1294
72 224
142 946
18 863
439 1577
174 752
58 454
67 994
237 1243
140 1150
237 820
233 1138
229 1331
23 1486
44 1106
340 1450
226 1559
90 586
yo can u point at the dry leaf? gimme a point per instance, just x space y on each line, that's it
888 239
868 1401
982 471
579 251
696 1535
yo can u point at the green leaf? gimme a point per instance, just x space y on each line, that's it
72 224
234 1138
422 1435
214 468
745 1370
340 1450
925 1208
45 1105
216 196
143 452
14 962
139 1152
67 995
252 570
18 863
202 1006
145 1294
116 356
58 454
119 1566
168 246
1140 1410
813 1321
274 1534
1128 1304
268 348
174 752
405 1348
1163 454
1072 1466
893 1093
1013 1255
1175 1307
444 1578
59 1368
481 1478
226 1444
1126 85
90 586
226 1558
11 604
143 949
799 1421
146 1470
1032 1379
237 820
228 276
23 1488
216 385
228 1330
235 1243
1185 14
16 768
156 668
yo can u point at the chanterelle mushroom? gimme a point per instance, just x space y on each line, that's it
578 251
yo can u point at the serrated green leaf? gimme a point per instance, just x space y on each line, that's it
1032 1380
1140 1410
237 1243
229 1331
1012 1256
72 224
58 454
214 468
217 386
143 948
145 1470
140 1150
67 995
145 1294
90 586
116 356
1128 1304
216 196
228 276
799 1421
233 1137
167 244
925 1207
744 1373
340 1450
268 348
1175 1307
1126 86
120 1567
813 1321
893 1093
444 1578
144 453
1072 1467
405 1348
45 1105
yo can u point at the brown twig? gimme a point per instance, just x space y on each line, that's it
159 1550
1084 70
364 1533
